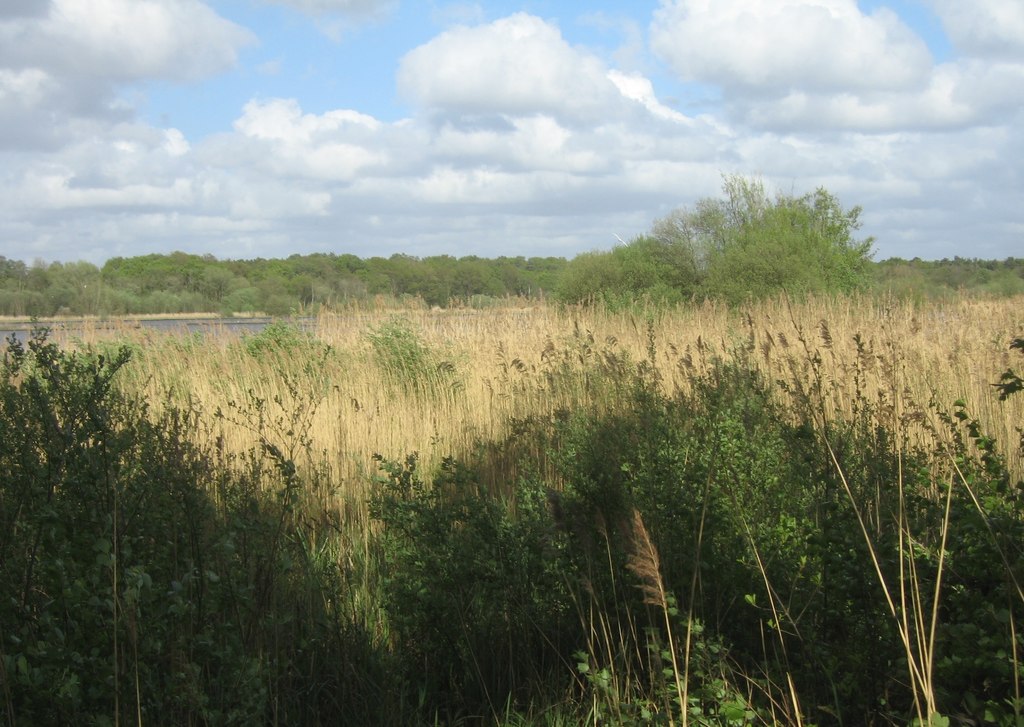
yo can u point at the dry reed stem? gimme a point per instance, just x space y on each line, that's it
646 564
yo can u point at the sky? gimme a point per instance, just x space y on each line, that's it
265 128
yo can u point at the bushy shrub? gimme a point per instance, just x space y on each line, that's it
408 363
647 269
475 590
278 338
744 246
144 578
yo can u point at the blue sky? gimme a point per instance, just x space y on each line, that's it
327 61
247 128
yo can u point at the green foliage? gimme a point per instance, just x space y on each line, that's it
711 553
744 246
408 362
726 488
1010 382
184 283
752 246
281 338
755 512
474 592
647 269
145 581
944 278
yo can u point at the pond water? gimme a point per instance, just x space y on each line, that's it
220 326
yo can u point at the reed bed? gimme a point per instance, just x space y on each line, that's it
476 372
328 397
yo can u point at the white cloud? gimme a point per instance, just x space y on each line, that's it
637 88
356 9
958 95
23 8
333 146
25 88
175 143
118 40
530 143
826 66
283 119
518 143
286 180
984 28
515 65
60 70
824 45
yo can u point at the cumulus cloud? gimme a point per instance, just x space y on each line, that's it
122 40
826 66
516 65
285 180
334 146
823 45
518 142
958 95
985 28
640 89
60 70
25 88
345 178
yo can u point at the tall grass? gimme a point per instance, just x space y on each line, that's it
873 405
439 382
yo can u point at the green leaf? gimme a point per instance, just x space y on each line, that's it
734 711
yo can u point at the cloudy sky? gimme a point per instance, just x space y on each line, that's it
262 128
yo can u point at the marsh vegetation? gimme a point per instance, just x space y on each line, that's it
793 512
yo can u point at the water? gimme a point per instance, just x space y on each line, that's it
184 325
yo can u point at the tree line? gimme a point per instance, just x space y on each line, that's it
746 244
185 283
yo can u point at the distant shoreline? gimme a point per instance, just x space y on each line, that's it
26 323
22 329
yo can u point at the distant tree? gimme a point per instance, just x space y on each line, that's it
645 268
12 271
919 278
746 245
749 244
216 282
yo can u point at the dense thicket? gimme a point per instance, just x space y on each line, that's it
149 579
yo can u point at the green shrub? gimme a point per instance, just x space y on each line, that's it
277 337
146 579
408 363
474 592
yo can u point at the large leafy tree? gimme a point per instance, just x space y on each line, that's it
744 245
749 244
